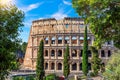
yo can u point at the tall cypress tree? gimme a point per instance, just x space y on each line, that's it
40 62
96 61
66 69
85 54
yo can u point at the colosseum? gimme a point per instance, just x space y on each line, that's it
56 35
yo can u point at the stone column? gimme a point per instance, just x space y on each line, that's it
70 40
78 53
56 40
63 42
77 66
78 41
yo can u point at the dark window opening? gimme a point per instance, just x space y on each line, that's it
89 66
74 53
52 66
80 67
46 65
102 53
59 66
59 53
81 53
109 53
59 40
74 66
46 52
89 53
52 53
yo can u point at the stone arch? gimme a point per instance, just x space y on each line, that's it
74 53
67 39
46 53
53 40
46 40
46 65
59 53
102 53
52 66
74 40
59 66
74 66
52 53
60 40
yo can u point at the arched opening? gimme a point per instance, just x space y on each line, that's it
81 39
89 66
53 40
109 53
52 66
74 66
66 40
46 65
46 53
74 40
89 53
59 66
102 53
74 53
80 67
59 53
46 40
52 53
59 40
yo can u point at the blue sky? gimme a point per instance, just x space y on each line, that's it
40 9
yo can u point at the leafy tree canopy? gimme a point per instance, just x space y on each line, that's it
112 71
10 26
103 17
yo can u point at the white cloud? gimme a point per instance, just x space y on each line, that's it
66 2
59 15
31 7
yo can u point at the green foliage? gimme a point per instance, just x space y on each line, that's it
24 46
112 69
66 69
96 61
40 62
51 77
18 78
10 26
85 54
103 17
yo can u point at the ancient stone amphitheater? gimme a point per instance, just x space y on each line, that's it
56 35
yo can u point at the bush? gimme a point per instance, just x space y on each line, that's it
51 77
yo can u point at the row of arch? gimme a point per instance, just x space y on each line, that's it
59 66
74 53
66 39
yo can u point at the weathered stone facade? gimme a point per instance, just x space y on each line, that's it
56 35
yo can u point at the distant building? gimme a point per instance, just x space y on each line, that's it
56 35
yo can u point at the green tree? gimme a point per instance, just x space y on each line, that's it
103 17
85 54
96 61
40 62
66 69
10 26
24 46
112 69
